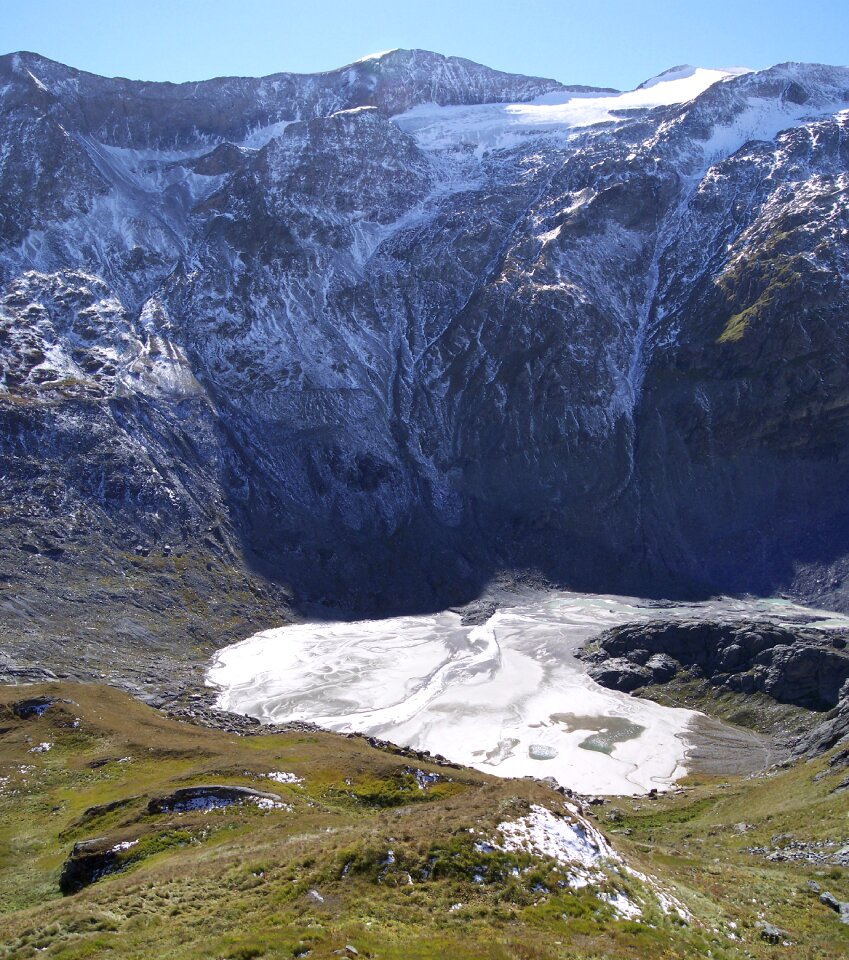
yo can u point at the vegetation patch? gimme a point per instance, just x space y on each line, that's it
393 859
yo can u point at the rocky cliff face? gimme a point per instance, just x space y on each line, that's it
377 333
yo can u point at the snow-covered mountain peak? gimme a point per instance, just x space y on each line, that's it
697 77
376 56
683 83
397 325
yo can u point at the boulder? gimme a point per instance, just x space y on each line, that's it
770 932
829 900
88 861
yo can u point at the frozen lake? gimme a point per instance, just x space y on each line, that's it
507 697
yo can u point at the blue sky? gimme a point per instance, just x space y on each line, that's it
602 42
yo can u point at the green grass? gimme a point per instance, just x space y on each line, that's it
774 275
243 883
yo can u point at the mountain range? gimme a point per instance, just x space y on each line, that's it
370 337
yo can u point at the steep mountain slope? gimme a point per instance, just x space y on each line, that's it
378 333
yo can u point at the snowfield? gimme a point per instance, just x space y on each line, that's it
497 126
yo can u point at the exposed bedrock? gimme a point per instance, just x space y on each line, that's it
803 668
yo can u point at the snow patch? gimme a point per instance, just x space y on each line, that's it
691 74
125 845
280 776
625 908
266 803
376 56
668 903
262 136
568 840
424 780
574 842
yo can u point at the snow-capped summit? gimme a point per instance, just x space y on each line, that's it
495 126
376 56
701 78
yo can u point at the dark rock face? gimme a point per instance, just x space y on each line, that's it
828 733
88 861
620 674
802 667
280 331
806 668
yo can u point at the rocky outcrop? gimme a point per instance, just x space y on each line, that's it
839 907
207 797
805 668
828 733
89 861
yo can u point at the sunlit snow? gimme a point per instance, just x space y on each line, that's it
500 125
568 840
375 56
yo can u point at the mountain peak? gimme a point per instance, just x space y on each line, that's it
693 76
377 56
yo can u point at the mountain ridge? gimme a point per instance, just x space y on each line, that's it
372 357
374 59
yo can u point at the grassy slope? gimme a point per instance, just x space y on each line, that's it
236 883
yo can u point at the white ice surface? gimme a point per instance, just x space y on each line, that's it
479 695
501 125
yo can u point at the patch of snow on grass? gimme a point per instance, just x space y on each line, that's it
266 803
625 908
424 780
574 842
125 845
668 903
567 840
281 776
